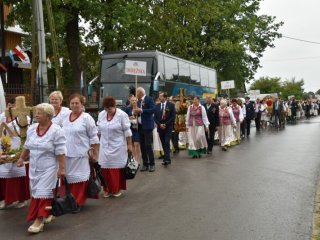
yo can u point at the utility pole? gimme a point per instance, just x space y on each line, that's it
42 67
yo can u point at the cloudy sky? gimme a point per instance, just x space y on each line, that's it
292 58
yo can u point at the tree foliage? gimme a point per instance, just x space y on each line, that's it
275 85
227 35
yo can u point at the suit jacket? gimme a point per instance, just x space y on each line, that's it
213 115
280 107
250 112
170 116
147 106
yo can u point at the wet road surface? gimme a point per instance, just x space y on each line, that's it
262 189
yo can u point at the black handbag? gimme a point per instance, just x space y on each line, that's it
94 184
132 167
62 205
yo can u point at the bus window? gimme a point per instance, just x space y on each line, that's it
204 77
212 79
171 69
195 74
184 72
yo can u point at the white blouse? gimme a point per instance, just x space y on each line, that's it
80 134
43 164
63 114
10 170
113 141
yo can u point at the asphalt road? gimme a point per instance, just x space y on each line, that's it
262 189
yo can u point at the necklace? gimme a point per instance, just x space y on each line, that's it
108 118
38 130
58 112
72 120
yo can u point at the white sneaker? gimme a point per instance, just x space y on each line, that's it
20 204
2 205
117 194
107 195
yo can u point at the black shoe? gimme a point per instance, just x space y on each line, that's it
199 156
161 157
224 149
152 169
77 210
209 152
144 168
165 164
176 150
194 156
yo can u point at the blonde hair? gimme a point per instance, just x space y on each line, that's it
223 102
46 108
58 93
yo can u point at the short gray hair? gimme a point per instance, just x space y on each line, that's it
58 93
46 108
223 102
141 89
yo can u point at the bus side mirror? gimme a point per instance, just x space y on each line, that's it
156 83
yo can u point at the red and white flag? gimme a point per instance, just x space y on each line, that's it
21 54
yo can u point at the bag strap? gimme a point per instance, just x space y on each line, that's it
56 192
66 185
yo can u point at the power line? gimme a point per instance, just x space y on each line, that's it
301 40
291 59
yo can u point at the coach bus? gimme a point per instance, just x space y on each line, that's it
164 72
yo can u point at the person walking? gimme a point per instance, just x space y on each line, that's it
249 114
115 144
164 117
46 146
145 109
197 124
212 111
81 133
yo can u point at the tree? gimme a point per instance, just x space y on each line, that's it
267 85
292 87
227 35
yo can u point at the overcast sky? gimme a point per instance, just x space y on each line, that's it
292 58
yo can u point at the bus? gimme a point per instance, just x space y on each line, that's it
164 72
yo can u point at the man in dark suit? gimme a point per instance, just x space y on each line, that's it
145 127
164 116
213 116
250 112
277 109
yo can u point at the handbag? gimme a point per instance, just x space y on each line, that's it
132 167
94 184
62 205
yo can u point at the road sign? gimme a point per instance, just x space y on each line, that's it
227 84
254 92
137 68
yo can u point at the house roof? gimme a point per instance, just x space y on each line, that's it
16 29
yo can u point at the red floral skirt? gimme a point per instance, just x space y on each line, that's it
14 189
79 191
37 208
115 178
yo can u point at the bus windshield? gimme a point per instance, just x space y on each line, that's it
113 70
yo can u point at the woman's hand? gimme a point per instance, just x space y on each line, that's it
206 129
20 163
129 148
61 172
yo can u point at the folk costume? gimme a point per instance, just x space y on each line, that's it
195 122
113 153
238 115
227 121
43 168
63 113
81 133
14 183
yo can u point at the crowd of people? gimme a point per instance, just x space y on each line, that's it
59 142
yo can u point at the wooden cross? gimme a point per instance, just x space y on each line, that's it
21 112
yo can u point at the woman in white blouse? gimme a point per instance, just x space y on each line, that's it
46 146
60 113
81 133
115 143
